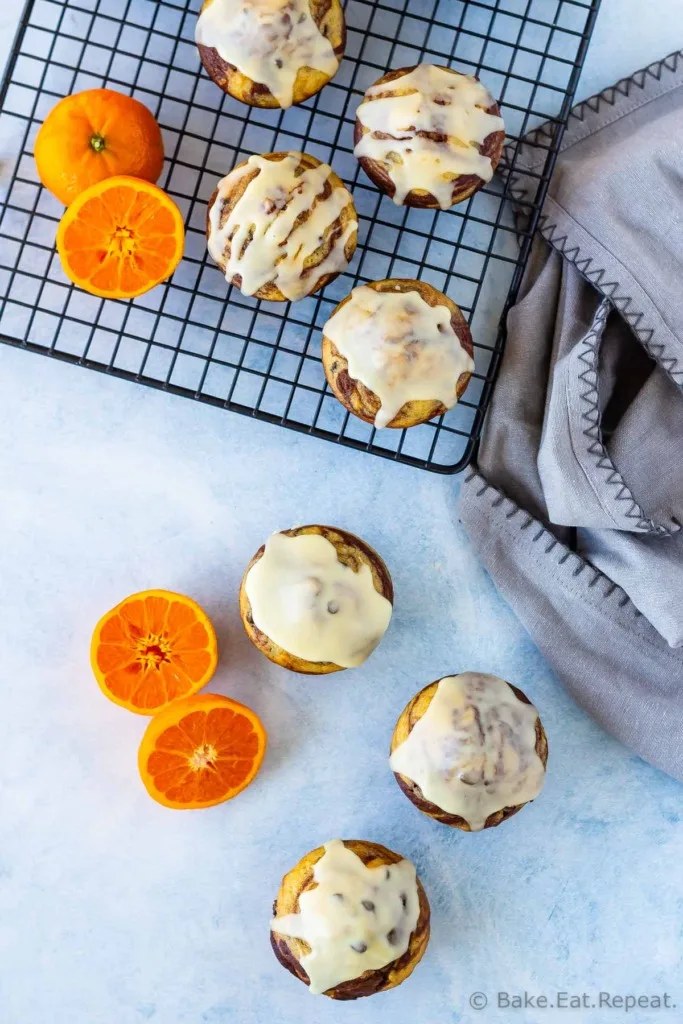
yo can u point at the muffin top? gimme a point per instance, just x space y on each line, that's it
355 919
267 40
425 128
312 605
400 347
473 750
269 218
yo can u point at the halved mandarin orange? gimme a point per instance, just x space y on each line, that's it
152 648
201 751
120 238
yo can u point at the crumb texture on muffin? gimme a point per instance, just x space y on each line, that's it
312 605
470 743
400 347
423 129
281 224
268 42
348 915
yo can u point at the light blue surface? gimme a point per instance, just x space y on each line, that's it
114 910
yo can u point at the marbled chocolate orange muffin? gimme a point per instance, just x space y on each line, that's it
281 225
351 919
397 352
470 751
429 136
271 53
316 599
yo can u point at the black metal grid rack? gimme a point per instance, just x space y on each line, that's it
194 337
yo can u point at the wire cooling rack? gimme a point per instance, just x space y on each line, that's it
193 335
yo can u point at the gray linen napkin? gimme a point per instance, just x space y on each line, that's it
576 506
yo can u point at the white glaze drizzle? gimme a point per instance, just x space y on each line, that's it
439 102
312 605
267 40
399 347
265 245
356 919
473 752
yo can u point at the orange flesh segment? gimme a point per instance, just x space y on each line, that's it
152 649
206 756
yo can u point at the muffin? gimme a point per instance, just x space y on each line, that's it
470 751
271 53
281 225
397 353
316 599
351 919
428 136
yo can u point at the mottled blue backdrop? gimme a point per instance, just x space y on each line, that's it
114 910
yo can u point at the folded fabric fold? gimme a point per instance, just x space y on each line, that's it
585 428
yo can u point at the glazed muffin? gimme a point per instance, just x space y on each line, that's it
281 225
470 751
397 353
351 919
316 599
271 53
428 136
